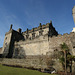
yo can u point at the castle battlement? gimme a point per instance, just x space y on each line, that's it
40 27
47 29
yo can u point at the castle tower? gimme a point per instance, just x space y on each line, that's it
52 31
7 43
73 13
10 37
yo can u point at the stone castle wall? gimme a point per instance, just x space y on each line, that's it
45 45
35 32
6 41
0 49
37 46
37 62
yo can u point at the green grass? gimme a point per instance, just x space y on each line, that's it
5 70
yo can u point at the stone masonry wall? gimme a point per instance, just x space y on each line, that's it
0 49
44 45
30 61
6 41
36 62
37 46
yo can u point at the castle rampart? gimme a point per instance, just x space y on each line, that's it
44 44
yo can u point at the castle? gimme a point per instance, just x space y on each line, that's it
42 40
30 42
31 47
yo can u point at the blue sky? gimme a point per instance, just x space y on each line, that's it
29 13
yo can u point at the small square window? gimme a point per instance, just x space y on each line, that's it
5 38
6 43
73 46
33 35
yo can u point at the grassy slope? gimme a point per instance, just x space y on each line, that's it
4 70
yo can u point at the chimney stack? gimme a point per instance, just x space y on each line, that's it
19 30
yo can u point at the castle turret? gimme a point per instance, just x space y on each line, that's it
27 35
73 13
52 31
7 43
11 26
40 31
10 38
19 30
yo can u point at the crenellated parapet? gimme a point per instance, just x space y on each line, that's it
41 30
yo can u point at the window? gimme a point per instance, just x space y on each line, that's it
33 35
27 36
6 43
40 32
5 38
73 46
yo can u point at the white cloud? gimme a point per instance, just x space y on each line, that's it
73 29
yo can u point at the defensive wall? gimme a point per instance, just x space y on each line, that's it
45 45
37 62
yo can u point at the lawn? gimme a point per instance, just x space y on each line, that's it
5 70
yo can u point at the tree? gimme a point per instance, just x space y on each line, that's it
65 49
66 57
70 58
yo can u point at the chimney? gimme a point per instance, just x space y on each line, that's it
11 26
19 30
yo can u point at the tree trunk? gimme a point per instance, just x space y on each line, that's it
71 68
65 64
